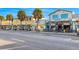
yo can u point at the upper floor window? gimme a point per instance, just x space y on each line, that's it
55 17
64 16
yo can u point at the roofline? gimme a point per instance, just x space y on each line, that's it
58 10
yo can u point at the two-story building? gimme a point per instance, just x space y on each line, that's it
75 21
61 21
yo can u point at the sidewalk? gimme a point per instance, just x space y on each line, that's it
72 34
57 33
60 33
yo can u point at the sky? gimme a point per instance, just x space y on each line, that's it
29 11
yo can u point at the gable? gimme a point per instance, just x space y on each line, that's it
60 12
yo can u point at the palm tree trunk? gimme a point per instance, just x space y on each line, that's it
12 25
37 24
8 26
1 24
20 24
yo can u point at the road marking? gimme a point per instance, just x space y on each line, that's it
15 47
20 34
17 40
75 41
60 38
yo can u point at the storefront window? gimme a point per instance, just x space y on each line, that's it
55 17
64 16
77 26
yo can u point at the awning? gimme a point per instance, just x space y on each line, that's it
77 22
66 23
53 24
59 23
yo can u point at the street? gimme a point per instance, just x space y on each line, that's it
23 40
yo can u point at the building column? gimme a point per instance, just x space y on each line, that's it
62 28
74 26
71 26
55 26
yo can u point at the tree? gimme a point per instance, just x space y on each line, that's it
10 18
1 18
38 14
21 15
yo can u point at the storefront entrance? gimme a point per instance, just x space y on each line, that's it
59 29
66 28
52 28
6 27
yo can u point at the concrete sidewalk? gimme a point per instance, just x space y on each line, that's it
57 33
60 33
70 34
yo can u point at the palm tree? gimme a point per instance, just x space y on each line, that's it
1 18
10 18
21 15
38 14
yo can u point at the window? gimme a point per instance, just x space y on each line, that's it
55 17
64 16
77 26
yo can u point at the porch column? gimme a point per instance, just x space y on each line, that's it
62 28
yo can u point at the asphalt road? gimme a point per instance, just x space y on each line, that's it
39 41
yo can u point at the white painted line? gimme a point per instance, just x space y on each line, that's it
42 37
75 41
15 47
60 38
19 40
